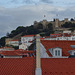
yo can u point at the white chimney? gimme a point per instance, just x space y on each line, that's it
38 61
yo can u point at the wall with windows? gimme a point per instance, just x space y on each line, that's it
12 56
14 43
26 39
23 46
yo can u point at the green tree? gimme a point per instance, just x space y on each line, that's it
40 26
2 41
68 25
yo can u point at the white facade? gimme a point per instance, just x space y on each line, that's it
12 56
43 53
61 38
26 41
6 49
14 43
23 46
67 32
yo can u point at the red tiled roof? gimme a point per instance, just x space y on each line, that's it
16 52
15 66
30 41
19 50
47 36
26 66
63 66
55 35
14 40
28 36
67 35
42 38
9 53
65 45
5 47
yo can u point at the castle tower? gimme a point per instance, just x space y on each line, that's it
44 22
38 61
56 23
65 20
35 24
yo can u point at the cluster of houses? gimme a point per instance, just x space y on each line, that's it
48 46
25 41
52 56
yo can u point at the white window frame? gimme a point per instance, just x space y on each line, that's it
59 52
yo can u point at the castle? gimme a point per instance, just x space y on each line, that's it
56 23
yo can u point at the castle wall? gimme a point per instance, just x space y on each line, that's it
56 24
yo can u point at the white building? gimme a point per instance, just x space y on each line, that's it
14 42
27 38
6 49
26 41
23 46
67 32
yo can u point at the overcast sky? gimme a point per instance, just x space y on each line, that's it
14 13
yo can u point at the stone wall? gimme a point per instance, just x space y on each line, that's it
56 23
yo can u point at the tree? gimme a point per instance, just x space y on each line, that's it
40 26
71 19
2 41
7 34
50 26
68 25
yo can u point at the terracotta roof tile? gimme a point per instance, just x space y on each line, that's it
16 66
26 66
58 66
14 40
16 53
28 36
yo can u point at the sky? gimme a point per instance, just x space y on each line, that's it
14 13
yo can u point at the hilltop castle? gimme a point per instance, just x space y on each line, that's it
56 23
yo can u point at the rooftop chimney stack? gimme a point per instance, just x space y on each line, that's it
38 61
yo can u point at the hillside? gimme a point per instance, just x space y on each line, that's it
29 30
21 30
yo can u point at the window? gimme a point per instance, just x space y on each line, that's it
57 52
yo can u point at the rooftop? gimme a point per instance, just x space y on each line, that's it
26 66
64 44
18 53
28 36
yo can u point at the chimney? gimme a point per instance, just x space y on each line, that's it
38 61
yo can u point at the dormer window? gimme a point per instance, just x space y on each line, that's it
72 53
56 52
